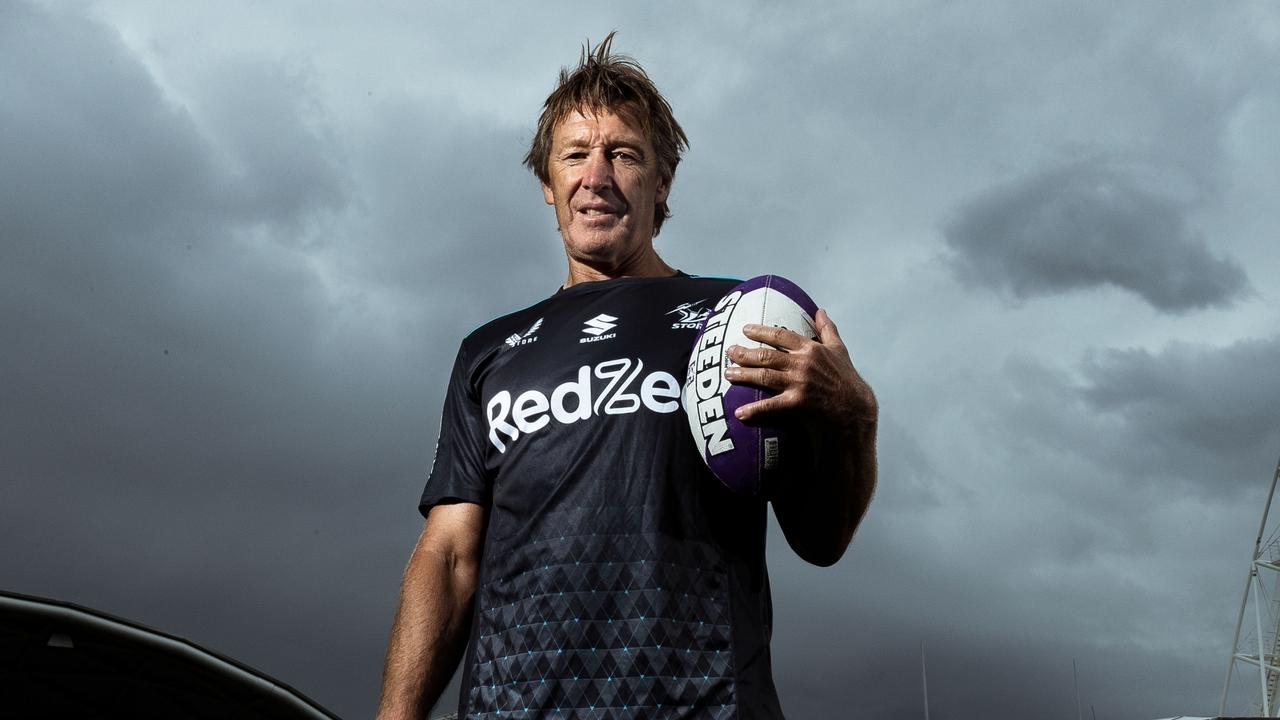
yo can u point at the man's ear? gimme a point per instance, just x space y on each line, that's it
664 189
547 195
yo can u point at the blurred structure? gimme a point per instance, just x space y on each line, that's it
60 660
1256 632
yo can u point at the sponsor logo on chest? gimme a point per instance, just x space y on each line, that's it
598 327
611 387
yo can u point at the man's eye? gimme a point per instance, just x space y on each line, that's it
624 155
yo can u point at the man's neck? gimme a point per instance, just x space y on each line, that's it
650 265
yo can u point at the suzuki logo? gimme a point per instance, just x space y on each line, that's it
597 326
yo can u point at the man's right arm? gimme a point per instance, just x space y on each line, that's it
434 617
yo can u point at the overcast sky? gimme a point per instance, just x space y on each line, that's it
240 242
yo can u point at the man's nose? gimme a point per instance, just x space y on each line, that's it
598 174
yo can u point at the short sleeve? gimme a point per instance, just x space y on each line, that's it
458 471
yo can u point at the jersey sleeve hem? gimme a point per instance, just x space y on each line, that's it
429 501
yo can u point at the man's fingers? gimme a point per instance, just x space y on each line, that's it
759 377
764 407
758 357
778 337
828 334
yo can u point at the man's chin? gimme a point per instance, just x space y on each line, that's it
599 247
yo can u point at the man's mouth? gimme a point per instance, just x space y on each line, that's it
599 210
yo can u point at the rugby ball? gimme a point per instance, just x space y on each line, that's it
743 457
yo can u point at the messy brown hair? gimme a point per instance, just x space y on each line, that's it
603 82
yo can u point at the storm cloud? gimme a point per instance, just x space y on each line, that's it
1195 411
1190 416
235 267
1086 225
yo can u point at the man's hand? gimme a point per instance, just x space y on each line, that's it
817 387
814 379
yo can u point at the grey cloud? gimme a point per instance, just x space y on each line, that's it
1085 225
88 142
220 322
135 269
310 274
848 135
279 161
442 189
1199 416
93 146
182 407
1190 403
981 625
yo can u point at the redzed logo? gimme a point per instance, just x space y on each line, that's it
578 399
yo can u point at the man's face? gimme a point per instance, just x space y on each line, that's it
604 186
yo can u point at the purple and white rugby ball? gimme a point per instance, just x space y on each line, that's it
741 456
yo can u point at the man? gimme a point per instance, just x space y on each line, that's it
575 546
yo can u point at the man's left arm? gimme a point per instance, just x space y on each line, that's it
819 389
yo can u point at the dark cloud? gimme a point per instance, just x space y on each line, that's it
220 324
446 207
182 410
1190 409
1085 225
852 640
1200 416
233 277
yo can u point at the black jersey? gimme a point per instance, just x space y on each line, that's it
619 578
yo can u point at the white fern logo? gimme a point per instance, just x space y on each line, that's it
527 336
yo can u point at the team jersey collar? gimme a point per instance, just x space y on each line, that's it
615 282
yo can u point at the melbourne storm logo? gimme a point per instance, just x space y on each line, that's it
692 314
526 337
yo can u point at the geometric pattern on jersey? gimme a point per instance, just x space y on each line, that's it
604 625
